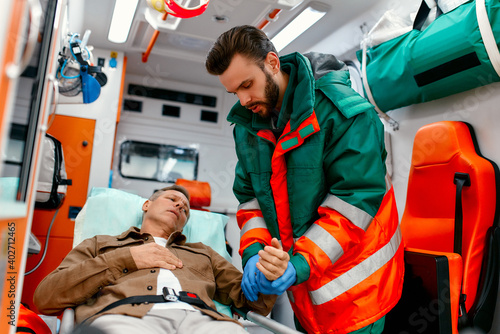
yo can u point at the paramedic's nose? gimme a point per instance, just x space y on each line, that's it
244 99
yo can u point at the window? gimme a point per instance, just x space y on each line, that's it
172 95
156 162
171 111
132 105
209 116
15 145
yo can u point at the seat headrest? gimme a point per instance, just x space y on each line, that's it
199 192
439 142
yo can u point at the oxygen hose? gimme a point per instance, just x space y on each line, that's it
45 246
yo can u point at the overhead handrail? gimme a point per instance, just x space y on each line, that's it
177 10
271 17
152 42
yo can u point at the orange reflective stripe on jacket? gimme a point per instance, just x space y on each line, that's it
252 225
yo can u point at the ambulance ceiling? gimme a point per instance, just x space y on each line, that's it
179 54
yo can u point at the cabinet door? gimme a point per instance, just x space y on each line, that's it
76 136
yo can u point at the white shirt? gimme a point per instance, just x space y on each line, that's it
167 279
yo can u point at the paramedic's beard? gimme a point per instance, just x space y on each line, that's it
272 93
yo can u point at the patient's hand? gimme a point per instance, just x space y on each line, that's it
152 255
273 260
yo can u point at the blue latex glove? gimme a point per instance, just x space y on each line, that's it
264 285
281 284
249 281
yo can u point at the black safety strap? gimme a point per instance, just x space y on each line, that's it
169 295
461 180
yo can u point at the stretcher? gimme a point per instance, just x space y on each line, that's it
120 210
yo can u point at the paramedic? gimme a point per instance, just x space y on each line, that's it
104 269
311 172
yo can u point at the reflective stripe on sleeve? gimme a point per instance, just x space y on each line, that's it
250 205
256 222
357 274
324 240
357 216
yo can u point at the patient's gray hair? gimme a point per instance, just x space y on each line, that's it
175 187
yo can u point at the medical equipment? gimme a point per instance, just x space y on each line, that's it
76 73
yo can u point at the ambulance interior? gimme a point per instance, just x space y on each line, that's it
146 114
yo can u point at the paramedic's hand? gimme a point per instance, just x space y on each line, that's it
152 255
273 260
249 281
278 286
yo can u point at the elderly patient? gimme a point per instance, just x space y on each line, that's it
142 262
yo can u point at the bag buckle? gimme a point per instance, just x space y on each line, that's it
169 296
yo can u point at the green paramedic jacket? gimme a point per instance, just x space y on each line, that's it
345 158
319 187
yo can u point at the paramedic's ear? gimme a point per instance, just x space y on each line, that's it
272 62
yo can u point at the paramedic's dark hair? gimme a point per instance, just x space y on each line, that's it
247 41
175 187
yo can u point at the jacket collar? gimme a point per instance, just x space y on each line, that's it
134 232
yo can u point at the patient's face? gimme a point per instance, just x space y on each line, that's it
168 212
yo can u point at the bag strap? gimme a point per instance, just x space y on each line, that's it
461 180
369 95
487 35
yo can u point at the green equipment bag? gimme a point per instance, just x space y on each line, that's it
457 52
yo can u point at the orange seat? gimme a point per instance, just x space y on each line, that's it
199 191
451 216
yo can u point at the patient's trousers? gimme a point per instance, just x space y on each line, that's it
166 321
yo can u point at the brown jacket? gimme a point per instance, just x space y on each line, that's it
100 271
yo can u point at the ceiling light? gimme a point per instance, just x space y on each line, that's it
309 16
123 15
